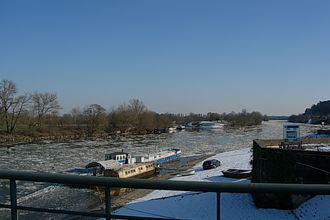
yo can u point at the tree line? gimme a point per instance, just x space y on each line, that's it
38 113
316 114
29 109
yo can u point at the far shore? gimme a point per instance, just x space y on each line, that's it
9 140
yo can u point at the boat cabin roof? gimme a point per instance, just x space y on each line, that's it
106 164
117 153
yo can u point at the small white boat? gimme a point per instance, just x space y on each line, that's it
187 172
237 173
171 130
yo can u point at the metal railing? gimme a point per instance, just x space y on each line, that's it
110 182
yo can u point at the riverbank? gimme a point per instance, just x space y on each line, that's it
187 205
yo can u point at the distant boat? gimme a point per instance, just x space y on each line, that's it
120 161
171 129
204 125
138 170
97 168
160 157
236 173
210 125
121 157
115 169
180 127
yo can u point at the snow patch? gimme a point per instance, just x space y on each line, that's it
192 205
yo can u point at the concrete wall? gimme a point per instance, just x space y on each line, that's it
275 165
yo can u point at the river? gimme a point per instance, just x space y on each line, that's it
59 157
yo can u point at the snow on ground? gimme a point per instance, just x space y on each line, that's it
198 205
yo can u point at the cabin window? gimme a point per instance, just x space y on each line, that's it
126 172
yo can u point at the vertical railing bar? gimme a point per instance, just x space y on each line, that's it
13 199
218 206
107 203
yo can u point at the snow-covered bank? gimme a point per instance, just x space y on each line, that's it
192 205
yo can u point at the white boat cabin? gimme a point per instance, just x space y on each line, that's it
121 157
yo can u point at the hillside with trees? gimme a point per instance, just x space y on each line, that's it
316 114
36 116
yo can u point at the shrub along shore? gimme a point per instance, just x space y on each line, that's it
35 118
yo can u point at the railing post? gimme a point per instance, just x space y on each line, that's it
107 203
218 206
13 199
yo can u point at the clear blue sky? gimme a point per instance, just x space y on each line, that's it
176 56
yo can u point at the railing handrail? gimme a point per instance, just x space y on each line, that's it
320 189
109 182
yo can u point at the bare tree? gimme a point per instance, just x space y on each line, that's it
136 109
119 119
44 104
132 117
136 106
76 115
94 115
11 107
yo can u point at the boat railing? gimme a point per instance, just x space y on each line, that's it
109 182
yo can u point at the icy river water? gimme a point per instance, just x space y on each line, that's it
59 157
